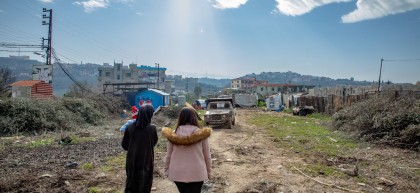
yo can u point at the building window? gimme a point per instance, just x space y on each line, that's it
107 73
272 89
100 73
118 77
118 67
128 74
262 89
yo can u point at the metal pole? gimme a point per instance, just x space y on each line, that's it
379 81
157 64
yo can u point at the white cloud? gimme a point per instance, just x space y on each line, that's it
300 7
366 9
92 5
228 4
1 11
139 13
372 9
46 1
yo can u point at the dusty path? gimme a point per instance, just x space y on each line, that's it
245 160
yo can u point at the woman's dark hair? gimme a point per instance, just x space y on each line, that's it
187 116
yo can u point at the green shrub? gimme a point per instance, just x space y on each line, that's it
383 120
261 104
34 115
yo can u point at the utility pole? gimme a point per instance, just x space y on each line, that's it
187 85
379 81
49 23
158 79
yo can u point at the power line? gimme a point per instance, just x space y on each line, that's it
15 45
402 60
17 51
67 72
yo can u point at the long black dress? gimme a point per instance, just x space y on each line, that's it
139 140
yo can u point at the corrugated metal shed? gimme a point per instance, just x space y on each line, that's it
156 97
31 88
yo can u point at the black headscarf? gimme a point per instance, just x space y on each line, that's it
144 117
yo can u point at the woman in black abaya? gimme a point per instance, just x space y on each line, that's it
139 140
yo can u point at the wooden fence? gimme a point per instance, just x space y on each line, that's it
333 103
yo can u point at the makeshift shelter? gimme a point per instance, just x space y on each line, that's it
154 97
31 89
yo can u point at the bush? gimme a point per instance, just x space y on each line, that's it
32 115
383 120
261 104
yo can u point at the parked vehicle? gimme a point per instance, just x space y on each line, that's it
303 110
220 111
201 103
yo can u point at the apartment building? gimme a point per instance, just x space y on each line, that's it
265 90
245 83
118 73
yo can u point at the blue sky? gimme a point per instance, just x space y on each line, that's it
228 38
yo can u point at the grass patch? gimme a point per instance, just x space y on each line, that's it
87 166
41 142
77 139
319 169
94 190
288 110
304 135
320 116
114 163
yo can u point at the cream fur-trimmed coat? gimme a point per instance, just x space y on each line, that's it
188 156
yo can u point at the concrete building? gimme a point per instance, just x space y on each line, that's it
118 73
245 83
264 90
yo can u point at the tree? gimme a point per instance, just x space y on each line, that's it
197 91
6 78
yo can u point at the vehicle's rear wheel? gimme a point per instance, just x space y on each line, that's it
233 122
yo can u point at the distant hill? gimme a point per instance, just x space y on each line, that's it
221 83
296 78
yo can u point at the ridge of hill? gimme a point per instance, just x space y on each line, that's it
296 78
